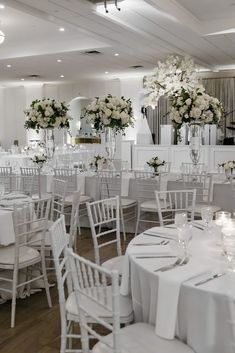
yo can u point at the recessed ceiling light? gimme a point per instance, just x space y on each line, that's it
116 54
62 76
59 60
8 65
61 29
2 6
22 79
106 72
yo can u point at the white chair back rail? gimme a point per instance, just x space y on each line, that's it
110 183
190 168
69 175
203 185
104 213
30 171
170 202
59 188
6 178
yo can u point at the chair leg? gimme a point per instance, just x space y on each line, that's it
63 341
13 300
46 284
137 221
123 226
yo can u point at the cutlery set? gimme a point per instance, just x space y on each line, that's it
179 262
216 275
163 242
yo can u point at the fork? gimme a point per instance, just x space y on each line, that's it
179 262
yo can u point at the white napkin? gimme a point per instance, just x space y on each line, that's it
162 232
168 295
7 233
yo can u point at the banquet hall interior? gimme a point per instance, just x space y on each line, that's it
117 182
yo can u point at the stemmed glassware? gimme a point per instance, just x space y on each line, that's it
207 216
181 223
228 243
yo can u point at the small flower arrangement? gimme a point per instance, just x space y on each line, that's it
228 165
47 114
39 159
155 163
195 107
110 111
98 162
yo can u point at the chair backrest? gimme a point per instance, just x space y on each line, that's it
189 168
69 175
59 188
90 282
104 213
170 202
59 244
145 184
202 183
24 184
110 183
6 178
30 171
30 225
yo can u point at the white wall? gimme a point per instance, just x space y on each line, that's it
14 100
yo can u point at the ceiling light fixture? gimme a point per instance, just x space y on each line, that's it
116 54
59 60
2 6
8 65
106 72
2 37
61 29
22 79
62 76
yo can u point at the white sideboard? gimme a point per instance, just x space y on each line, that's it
210 155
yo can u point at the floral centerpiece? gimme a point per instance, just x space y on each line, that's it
47 114
98 162
110 111
194 107
155 163
39 160
228 168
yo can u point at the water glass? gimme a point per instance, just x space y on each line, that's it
181 219
207 216
184 235
228 244
221 219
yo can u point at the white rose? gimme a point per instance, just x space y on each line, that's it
188 101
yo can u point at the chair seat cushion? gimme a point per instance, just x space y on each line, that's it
83 199
26 254
151 205
127 202
141 338
198 208
126 310
116 263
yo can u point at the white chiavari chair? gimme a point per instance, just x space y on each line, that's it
30 227
74 220
69 312
170 202
190 168
111 185
135 338
146 184
37 183
6 178
104 218
59 188
203 185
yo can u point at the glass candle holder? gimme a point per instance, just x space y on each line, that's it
228 243
221 219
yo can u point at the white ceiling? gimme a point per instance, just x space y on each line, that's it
143 32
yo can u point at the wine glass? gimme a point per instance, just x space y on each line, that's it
181 220
207 216
184 235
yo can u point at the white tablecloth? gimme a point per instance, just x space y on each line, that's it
205 314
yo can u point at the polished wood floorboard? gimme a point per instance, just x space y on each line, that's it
38 327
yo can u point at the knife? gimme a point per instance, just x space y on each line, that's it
155 257
217 275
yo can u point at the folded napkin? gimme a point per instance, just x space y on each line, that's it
168 295
162 232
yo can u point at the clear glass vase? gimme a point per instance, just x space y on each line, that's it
229 174
195 144
110 143
49 141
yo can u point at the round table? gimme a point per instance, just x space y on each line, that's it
202 316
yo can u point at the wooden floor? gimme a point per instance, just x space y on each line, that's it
38 327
